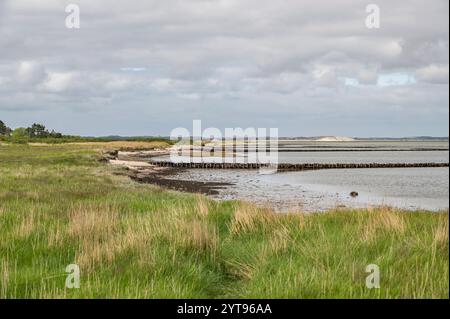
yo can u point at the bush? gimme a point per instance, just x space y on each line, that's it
19 136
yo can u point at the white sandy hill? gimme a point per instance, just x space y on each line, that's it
335 139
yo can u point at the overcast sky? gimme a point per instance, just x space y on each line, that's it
142 67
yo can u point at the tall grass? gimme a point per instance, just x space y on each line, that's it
59 206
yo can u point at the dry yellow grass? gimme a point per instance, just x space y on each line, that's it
242 270
296 218
94 227
4 277
441 233
202 208
123 145
102 234
197 235
249 218
27 224
280 240
184 230
92 221
384 219
56 237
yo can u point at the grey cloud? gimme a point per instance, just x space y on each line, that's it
263 59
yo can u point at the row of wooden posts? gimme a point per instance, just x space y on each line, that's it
293 167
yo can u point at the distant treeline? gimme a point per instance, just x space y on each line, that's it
39 133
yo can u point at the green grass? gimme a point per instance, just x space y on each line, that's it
81 139
59 205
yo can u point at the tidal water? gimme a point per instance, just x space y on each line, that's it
408 188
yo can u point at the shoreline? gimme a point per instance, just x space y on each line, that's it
142 171
186 179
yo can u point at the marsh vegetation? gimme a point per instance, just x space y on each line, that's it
59 205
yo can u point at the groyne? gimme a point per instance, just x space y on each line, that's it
293 167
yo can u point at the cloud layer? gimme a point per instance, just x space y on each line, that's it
140 67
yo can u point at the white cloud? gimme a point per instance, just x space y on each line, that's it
434 74
133 69
30 72
117 83
189 96
58 82
325 76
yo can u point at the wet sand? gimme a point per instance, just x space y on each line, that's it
409 188
139 170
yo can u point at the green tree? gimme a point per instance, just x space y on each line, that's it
55 134
4 130
19 132
20 135
37 130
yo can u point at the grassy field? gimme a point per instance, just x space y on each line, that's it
59 206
